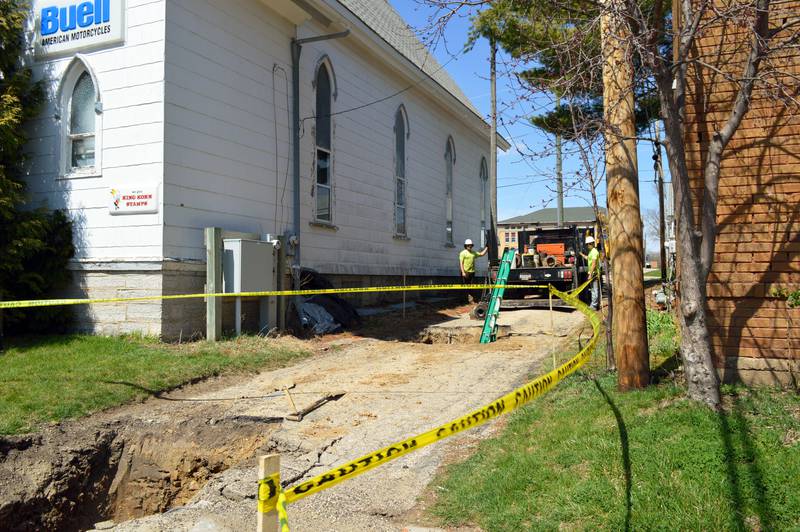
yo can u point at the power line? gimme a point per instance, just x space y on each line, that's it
401 91
533 182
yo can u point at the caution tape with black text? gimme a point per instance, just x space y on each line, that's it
277 498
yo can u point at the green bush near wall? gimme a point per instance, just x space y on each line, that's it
35 244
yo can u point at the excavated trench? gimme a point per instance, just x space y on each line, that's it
117 472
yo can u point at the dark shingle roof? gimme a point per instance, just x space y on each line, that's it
390 26
571 215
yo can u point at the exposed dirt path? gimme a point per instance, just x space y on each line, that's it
393 389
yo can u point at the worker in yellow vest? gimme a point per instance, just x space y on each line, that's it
593 270
466 262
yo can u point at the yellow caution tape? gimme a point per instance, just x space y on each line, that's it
268 491
505 404
274 293
283 518
575 291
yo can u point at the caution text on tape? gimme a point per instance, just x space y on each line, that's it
505 404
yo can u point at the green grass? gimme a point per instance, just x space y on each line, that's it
653 273
44 379
588 457
662 335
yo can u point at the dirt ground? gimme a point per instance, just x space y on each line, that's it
185 461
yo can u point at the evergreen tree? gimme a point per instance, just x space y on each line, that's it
35 244
559 47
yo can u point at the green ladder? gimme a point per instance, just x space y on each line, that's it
489 333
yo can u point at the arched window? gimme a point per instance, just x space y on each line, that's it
82 123
449 161
323 184
484 183
80 116
400 136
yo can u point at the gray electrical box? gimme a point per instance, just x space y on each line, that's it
250 266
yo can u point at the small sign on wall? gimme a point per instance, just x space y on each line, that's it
66 26
130 201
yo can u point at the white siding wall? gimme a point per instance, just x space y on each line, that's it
131 83
225 166
222 111
363 174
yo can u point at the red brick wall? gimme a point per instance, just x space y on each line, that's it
758 245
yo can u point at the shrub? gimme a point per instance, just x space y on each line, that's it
35 245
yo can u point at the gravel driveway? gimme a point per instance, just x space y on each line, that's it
393 390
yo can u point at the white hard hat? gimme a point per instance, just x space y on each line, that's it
468 242
590 240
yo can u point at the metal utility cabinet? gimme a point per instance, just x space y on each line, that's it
251 266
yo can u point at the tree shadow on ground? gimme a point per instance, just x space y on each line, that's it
626 457
747 494
738 446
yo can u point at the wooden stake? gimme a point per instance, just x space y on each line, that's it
624 216
214 251
404 296
268 465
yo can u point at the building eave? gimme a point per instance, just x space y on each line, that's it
336 16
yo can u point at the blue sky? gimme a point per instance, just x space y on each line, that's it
524 183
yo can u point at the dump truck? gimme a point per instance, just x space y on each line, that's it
548 255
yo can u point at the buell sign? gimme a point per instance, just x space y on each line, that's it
65 26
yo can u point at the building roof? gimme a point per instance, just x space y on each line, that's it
381 17
571 215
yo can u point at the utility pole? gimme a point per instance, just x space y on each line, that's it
559 173
493 151
624 216
658 166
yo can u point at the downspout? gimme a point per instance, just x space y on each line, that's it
297 48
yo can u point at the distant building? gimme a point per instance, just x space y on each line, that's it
507 230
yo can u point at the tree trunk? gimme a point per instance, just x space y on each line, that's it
701 376
702 381
624 217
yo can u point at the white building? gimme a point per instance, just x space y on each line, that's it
168 116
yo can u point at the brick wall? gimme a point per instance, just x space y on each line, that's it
756 337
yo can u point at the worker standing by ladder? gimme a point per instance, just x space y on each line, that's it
466 262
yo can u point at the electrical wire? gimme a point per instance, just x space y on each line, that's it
276 67
428 77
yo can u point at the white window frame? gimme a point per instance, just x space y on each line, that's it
403 118
318 185
450 170
324 63
77 67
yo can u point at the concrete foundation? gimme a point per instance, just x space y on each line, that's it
459 331
141 317
185 319
526 322
762 371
